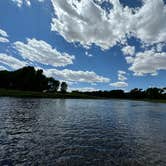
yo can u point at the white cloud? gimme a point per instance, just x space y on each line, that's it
119 84
160 46
42 52
20 2
87 54
3 33
3 36
86 22
84 89
121 75
129 59
121 72
3 68
128 50
149 22
3 40
26 2
76 76
11 61
148 62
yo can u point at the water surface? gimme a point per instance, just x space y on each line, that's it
58 132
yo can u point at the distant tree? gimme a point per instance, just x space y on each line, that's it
164 93
56 85
30 79
53 85
63 87
154 93
136 93
116 94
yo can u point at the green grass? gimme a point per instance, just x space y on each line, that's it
74 95
32 94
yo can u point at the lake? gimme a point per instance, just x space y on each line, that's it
75 132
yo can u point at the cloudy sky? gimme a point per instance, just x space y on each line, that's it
91 44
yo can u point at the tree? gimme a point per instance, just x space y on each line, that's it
53 85
26 78
63 87
154 93
136 93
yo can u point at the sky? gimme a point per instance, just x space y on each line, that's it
90 44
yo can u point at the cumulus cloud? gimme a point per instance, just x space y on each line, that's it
42 52
119 84
65 75
160 46
26 2
76 76
11 61
3 36
121 80
128 50
84 89
3 33
149 22
3 68
4 40
86 22
121 75
21 2
87 54
129 59
148 62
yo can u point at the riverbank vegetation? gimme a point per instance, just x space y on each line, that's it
29 82
30 79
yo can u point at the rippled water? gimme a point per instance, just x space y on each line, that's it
57 132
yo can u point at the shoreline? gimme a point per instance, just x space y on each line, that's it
58 95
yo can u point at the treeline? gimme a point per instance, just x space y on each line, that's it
150 93
30 79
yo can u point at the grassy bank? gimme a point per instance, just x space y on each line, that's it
155 100
32 94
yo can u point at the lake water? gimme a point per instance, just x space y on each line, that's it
58 132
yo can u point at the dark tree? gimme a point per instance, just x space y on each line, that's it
137 93
53 85
30 79
154 93
63 87
27 79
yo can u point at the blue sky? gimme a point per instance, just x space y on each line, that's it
91 44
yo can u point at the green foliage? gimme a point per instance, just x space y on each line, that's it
137 93
150 93
15 83
53 85
154 93
63 87
28 79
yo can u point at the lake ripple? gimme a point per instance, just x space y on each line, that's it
75 132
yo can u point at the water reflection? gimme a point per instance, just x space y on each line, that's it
82 132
